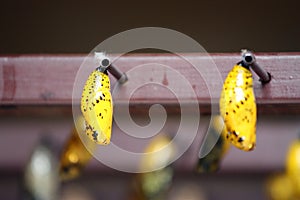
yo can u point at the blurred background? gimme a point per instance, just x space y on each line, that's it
78 26
71 27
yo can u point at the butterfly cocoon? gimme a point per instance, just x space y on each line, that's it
280 187
157 178
293 159
97 107
238 108
216 137
75 155
158 153
293 164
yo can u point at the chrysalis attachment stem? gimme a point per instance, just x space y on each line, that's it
102 60
105 64
118 74
249 59
265 77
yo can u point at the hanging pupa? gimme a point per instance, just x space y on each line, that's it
96 100
237 102
216 138
75 155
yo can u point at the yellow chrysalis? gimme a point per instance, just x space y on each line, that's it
286 185
75 156
97 107
238 108
293 159
293 164
155 183
280 187
157 153
211 162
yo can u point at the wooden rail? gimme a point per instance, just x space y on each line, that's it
48 79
